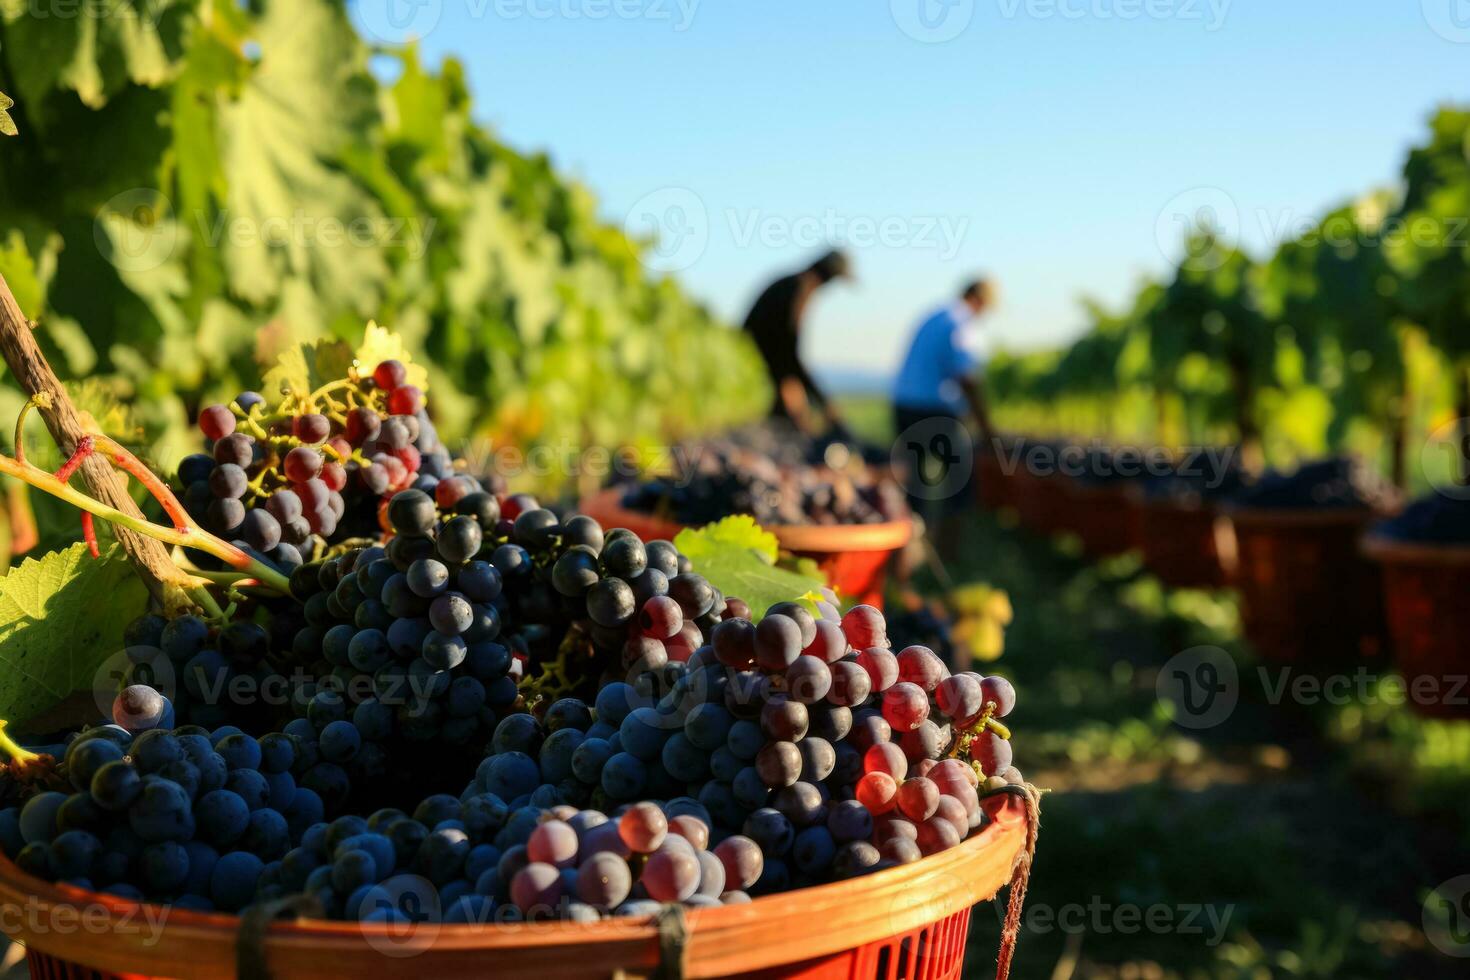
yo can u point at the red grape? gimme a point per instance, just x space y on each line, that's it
553 842
742 859
905 706
302 464
405 400
919 665
643 827
390 374
960 698
992 752
536 886
881 665
830 644
661 618
865 627
692 829
885 757
216 422
937 834
999 690
671 875
878 791
311 428
918 798
334 476
363 424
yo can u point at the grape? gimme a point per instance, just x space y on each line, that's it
553 842
604 881
882 667
771 830
888 758
661 618
849 820
311 428
610 602
778 764
663 556
228 481
851 684
999 691
919 665
671 875
864 628
828 645
784 719
960 697
390 374
734 643
905 706
405 400
301 464
459 540
139 708
992 752
936 834
575 572
918 799
692 593
743 860
818 759
808 679
643 828
777 643
878 792
412 512
216 422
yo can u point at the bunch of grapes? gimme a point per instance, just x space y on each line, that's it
730 478
282 479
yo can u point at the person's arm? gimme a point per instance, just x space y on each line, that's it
810 391
966 372
974 391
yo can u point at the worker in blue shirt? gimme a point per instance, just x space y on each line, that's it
939 379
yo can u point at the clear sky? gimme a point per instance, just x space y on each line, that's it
1052 143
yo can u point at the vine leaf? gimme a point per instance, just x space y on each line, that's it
61 618
7 125
737 556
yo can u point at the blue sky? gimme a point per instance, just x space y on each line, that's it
1051 143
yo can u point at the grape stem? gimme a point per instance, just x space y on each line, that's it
12 749
189 536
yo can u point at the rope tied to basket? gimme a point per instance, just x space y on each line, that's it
255 922
1020 879
673 942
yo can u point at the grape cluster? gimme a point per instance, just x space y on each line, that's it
281 479
789 752
726 477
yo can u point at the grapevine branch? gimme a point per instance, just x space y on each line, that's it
35 377
89 454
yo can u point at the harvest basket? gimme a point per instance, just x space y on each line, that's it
854 557
1182 542
1043 501
909 921
1425 589
1309 594
1105 516
994 486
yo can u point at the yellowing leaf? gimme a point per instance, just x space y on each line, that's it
735 531
7 125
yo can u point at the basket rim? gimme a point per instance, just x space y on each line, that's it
1382 548
722 941
883 536
1301 516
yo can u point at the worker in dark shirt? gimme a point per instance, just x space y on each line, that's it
774 323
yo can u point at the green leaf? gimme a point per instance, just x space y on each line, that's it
7 125
60 619
736 556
